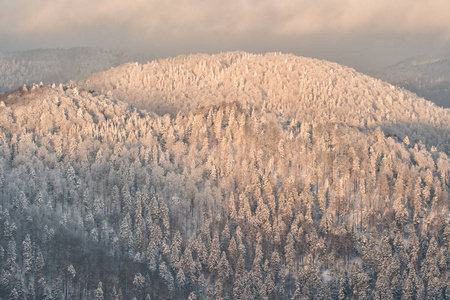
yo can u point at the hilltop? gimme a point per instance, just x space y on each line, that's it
294 89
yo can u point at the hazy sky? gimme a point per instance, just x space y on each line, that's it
360 33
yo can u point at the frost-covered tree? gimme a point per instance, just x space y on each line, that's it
270 177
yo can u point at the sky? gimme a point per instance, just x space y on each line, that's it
365 34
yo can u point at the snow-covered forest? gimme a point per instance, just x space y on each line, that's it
58 65
428 77
231 176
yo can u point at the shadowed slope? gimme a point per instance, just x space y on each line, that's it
428 77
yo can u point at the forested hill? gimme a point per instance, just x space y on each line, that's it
294 89
58 65
232 176
429 77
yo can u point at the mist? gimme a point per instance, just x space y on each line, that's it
360 34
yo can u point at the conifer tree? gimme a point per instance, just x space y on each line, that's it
98 293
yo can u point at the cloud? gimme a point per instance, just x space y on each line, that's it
184 17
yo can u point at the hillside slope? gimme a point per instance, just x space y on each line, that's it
252 192
428 77
58 65
293 88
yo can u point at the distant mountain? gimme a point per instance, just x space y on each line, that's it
228 176
428 77
58 65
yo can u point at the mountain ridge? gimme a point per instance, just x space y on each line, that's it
428 76
58 65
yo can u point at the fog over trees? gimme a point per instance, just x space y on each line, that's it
231 176
428 77
58 65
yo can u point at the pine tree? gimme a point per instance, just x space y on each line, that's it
344 289
214 253
14 295
27 256
224 270
289 252
98 293
192 296
127 202
47 292
181 279
430 270
382 288
126 236
175 250
139 285
232 249
417 201
360 282
166 276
